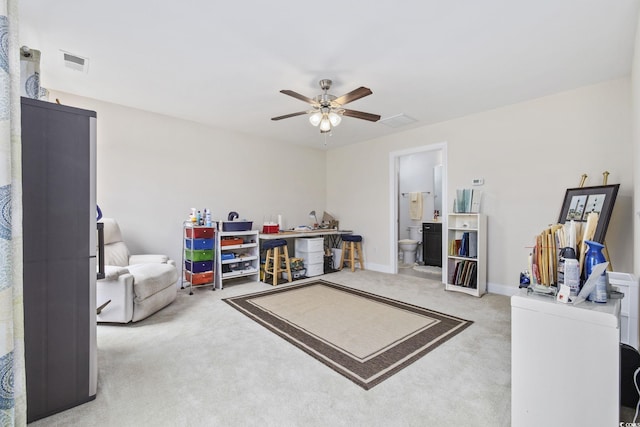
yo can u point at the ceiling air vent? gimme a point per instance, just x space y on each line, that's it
75 62
398 120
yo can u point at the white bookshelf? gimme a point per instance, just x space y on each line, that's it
243 257
467 272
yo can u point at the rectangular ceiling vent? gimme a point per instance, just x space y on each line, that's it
75 62
398 120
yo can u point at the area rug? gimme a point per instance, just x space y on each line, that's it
365 337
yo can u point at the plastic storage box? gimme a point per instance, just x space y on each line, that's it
194 255
295 274
199 243
237 225
310 257
199 278
231 242
200 232
313 244
314 269
198 266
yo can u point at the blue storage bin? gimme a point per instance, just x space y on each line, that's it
198 266
201 244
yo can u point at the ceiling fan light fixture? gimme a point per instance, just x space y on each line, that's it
335 119
315 118
327 109
325 124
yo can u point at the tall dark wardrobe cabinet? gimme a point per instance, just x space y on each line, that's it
59 231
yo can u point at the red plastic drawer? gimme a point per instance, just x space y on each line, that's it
199 278
200 232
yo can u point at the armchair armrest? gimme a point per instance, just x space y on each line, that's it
113 272
146 259
117 287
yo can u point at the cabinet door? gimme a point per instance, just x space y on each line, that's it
59 324
432 244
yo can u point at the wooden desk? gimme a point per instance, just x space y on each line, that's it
334 235
331 240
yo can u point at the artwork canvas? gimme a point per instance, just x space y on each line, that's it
580 202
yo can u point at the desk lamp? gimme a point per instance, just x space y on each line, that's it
312 214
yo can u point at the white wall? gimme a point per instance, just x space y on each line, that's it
152 169
528 154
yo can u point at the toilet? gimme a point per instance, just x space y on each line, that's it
409 246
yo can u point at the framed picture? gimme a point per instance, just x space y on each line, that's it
580 202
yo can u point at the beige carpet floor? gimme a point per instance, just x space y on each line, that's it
199 362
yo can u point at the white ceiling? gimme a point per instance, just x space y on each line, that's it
224 63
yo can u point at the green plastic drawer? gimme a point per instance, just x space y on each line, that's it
198 255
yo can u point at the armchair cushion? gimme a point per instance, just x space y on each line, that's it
146 259
118 254
151 278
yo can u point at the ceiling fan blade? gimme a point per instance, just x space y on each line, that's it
298 96
361 92
361 115
286 116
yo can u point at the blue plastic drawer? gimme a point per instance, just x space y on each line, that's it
199 244
198 266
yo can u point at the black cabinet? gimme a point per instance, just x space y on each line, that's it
58 196
432 244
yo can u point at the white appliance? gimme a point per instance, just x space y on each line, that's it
629 307
565 362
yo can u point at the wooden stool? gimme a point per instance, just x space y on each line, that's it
351 244
274 257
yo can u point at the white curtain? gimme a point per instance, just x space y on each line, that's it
12 370
30 74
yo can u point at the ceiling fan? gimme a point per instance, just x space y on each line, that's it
327 110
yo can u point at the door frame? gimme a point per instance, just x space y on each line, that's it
394 161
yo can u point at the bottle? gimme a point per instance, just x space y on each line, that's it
198 218
592 258
569 270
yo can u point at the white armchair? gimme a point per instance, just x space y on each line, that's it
136 285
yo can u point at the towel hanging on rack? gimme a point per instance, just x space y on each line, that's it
415 206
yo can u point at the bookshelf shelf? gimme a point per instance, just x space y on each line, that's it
466 253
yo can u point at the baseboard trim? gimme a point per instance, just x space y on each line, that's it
380 268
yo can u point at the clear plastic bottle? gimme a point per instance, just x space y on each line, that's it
569 270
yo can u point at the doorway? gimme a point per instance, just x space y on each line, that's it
417 172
